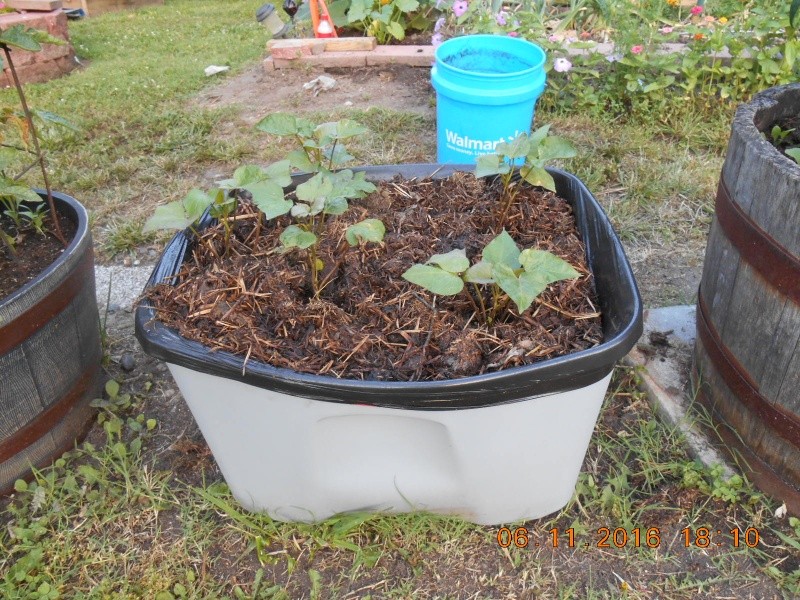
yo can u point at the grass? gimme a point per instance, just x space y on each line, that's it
105 523
138 511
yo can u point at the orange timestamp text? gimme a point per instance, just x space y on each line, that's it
620 537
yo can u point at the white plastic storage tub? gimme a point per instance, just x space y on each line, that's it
492 449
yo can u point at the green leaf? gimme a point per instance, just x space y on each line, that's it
168 216
20 192
517 148
112 388
490 164
434 279
296 237
319 186
538 135
268 197
300 161
49 117
337 155
396 30
538 176
793 10
282 124
359 9
455 261
347 128
280 172
351 185
18 37
368 230
502 250
546 265
794 153
20 485
243 176
480 272
335 206
522 290
407 6
195 203
554 147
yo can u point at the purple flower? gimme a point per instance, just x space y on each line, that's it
460 7
501 18
436 39
561 65
616 57
439 24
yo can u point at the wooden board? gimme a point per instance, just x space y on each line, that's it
42 5
346 44
96 7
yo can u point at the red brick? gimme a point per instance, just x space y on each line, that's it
32 66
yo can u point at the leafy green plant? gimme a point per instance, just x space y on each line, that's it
383 19
311 205
13 194
779 135
535 150
510 274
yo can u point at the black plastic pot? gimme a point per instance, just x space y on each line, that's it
49 356
616 288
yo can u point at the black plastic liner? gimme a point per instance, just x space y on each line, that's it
618 295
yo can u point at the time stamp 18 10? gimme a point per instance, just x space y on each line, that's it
620 537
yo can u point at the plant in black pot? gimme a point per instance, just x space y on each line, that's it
49 328
393 338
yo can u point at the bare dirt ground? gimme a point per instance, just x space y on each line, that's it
257 91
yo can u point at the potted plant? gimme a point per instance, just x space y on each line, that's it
410 375
49 327
748 311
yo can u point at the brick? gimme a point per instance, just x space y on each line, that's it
414 56
55 23
269 64
38 72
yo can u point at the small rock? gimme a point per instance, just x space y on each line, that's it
127 362
137 262
127 261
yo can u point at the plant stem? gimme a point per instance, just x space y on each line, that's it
482 303
330 161
18 85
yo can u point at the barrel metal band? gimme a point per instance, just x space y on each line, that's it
21 328
760 250
47 420
739 381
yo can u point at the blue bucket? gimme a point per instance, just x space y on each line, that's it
486 88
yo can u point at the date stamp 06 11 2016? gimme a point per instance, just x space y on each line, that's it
606 537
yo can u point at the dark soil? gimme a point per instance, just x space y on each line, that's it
34 253
370 323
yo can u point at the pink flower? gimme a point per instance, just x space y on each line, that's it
637 49
436 39
460 7
666 29
696 10
561 65
513 34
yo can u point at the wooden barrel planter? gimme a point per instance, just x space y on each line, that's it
50 355
747 355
